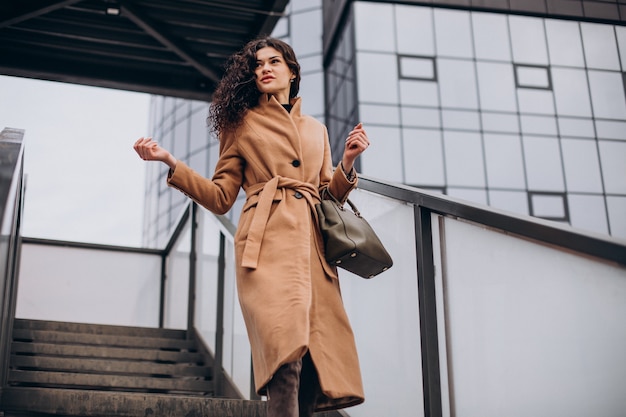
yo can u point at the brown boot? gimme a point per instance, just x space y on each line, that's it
309 387
282 391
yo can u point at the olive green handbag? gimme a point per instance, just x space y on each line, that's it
350 242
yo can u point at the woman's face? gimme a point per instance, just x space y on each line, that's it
272 74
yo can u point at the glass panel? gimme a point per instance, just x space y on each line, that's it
613 160
538 125
460 119
386 308
600 46
529 40
309 64
453 34
457 83
620 31
311 88
470 194
381 159
571 101
513 201
548 206
543 164
496 122
199 135
464 159
564 42
414 26
416 117
610 130
505 167
385 115
582 168
177 284
419 93
309 41
497 86
576 127
423 157
588 212
607 94
535 101
528 76
616 207
491 36
374 26
508 342
281 29
373 86
416 67
89 286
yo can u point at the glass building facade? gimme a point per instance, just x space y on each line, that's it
516 109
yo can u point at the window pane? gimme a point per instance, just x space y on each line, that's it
600 46
576 127
453 33
570 92
412 116
505 168
607 94
582 169
496 122
613 157
491 36
417 67
378 77
475 195
610 130
548 206
529 40
537 77
414 27
419 93
309 42
588 212
620 31
459 119
616 207
379 114
543 164
423 157
457 83
464 159
538 125
514 201
564 42
497 86
535 101
381 160
374 27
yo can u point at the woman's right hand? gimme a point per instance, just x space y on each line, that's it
149 150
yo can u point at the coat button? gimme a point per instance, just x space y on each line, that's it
295 163
298 195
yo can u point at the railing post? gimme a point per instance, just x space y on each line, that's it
219 321
193 259
431 377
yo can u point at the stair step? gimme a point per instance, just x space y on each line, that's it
65 402
119 382
108 366
83 351
53 336
86 328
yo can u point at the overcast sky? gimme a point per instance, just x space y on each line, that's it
84 182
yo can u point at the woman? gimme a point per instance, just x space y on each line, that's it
303 351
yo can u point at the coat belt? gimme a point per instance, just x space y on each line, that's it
266 192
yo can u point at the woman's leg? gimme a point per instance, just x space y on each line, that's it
282 391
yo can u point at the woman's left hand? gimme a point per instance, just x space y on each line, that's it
356 142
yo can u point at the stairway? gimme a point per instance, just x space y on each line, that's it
73 369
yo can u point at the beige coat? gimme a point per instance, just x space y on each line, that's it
289 295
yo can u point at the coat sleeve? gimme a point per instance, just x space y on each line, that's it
219 193
336 180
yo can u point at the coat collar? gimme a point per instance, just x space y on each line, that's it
268 103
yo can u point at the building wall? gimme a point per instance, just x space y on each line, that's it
523 113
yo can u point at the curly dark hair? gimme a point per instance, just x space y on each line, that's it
237 91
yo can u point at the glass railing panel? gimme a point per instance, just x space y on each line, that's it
88 285
206 278
527 328
384 314
177 282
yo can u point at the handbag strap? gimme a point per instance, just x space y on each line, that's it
341 207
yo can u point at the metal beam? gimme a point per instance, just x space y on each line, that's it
28 10
153 29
